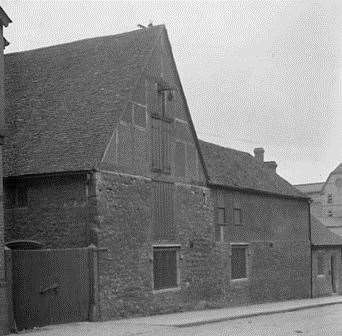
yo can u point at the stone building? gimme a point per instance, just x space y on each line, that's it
326 199
326 260
4 22
102 149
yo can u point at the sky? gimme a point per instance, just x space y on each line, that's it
255 73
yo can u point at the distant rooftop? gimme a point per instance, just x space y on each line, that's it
309 188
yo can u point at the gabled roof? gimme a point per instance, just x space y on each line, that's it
322 236
62 101
240 170
4 18
310 187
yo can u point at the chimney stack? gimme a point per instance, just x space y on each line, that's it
271 165
259 154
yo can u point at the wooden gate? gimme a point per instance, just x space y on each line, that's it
52 286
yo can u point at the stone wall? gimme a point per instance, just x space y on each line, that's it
276 234
57 214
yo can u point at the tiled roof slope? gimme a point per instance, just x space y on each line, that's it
62 101
320 235
310 187
236 169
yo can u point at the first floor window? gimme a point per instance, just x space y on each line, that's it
320 263
220 224
237 216
238 262
165 267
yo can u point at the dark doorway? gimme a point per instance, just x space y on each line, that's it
332 270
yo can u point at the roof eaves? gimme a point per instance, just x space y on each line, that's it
57 173
259 192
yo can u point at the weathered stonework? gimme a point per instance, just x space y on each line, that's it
58 212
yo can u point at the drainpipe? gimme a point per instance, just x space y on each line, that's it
311 276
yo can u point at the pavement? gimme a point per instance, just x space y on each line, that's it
146 325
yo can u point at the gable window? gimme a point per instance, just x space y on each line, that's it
320 263
16 196
237 216
238 262
165 267
220 224
330 198
139 114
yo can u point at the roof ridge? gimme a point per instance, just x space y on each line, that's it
119 35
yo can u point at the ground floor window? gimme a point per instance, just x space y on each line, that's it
239 262
165 267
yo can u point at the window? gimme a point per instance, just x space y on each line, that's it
238 262
165 267
330 198
221 222
330 213
16 196
139 115
320 263
237 216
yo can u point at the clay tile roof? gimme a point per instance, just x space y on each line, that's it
321 235
62 101
310 187
236 169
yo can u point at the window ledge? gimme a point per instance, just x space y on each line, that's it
239 281
165 290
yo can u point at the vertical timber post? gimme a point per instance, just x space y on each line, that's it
93 284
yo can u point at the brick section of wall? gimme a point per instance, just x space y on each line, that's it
58 212
322 284
278 264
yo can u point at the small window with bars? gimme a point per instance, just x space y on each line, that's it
330 198
220 224
320 263
239 262
165 267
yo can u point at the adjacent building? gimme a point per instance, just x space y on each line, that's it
101 149
326 260
326 199
4 22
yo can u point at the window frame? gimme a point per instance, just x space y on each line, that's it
320 262
244 246
133 115
176 248
220 226
237 208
